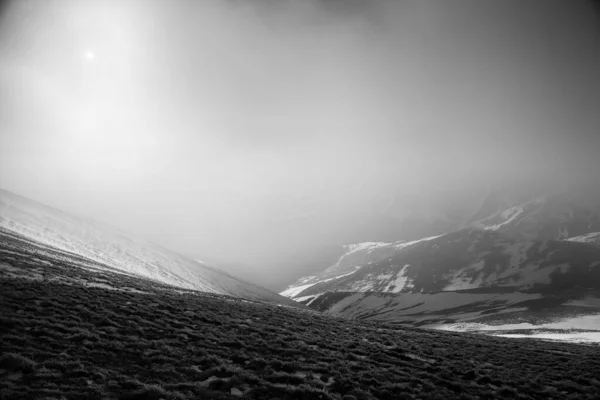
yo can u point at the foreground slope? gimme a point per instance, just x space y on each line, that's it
110 247
95 334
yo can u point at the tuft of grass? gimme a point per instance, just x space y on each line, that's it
17 363
150 392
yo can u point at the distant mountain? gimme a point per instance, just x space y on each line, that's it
461 260
552 217
501 198
499 263
357 256
118 250
411 216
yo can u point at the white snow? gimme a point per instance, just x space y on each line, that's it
308 278
399 282
508 216
589 322
573 337
113 248
364 246
462 282
581 322
593 237
365 253
307 299
295 290
339 276
364 285
403 244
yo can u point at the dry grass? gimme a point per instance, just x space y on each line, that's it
62 338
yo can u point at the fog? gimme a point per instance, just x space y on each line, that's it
264 131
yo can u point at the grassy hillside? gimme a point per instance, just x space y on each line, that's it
70 331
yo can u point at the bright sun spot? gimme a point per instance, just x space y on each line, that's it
89 55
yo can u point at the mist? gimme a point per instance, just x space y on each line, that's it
266 131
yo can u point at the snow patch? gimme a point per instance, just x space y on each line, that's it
509 215
110 249
403 244
572 337
398 284
593 237
364 246
295 290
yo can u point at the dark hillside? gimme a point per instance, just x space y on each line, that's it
69 331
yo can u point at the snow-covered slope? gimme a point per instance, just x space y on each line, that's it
461 260
520 241
357 256
408 278
526 212
116 249
593 237
553 217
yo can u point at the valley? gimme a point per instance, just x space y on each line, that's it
299 199
90 312
117 250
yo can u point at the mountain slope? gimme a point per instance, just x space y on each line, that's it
465 259
356 257
111 337
551 217
454 276
592 237
117 250
526 253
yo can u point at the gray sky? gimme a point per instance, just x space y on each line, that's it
208 126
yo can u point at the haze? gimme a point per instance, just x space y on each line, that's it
262 132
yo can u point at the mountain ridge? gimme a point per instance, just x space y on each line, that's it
520 254
112 247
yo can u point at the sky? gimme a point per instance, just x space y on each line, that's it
256 130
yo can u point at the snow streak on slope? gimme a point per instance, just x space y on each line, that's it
593 237
357 256
552 217
294 291
118 250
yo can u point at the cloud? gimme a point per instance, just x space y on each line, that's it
202 124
